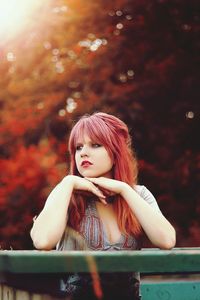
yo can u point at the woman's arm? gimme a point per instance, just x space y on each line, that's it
157 228
49 226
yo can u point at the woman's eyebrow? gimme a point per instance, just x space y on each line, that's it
78 144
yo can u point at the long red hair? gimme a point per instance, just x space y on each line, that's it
113 134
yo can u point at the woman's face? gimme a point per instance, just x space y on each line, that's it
92 159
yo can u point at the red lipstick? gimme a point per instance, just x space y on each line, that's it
86 163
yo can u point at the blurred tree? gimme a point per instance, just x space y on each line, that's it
136 59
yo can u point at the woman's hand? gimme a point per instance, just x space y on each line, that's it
82 184
108 186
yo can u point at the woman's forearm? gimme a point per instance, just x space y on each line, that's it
49 226
159 231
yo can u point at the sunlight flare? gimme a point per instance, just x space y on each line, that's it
16 15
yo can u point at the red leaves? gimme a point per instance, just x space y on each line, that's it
26 180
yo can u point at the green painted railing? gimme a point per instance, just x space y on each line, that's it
22 272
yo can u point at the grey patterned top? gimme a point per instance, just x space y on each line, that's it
92 235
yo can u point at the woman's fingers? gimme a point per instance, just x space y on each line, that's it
96 191
99 194
106 192
83 184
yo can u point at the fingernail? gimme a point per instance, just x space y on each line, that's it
103 199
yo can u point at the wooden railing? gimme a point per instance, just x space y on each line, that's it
23 273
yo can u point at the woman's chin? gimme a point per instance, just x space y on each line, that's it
89 174
93 174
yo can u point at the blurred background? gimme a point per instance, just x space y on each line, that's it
135 59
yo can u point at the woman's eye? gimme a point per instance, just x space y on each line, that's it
78 147
96 145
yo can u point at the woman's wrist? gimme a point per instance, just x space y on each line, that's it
125 187
69 180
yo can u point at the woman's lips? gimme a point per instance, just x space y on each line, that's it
86 164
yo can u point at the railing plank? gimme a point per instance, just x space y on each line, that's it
179 290
148 261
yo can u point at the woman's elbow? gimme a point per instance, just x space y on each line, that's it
41 243
168 242
168 245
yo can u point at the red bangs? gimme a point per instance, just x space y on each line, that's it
96 129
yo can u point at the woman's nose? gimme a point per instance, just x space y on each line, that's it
84 151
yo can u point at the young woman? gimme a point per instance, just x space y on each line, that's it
99 206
